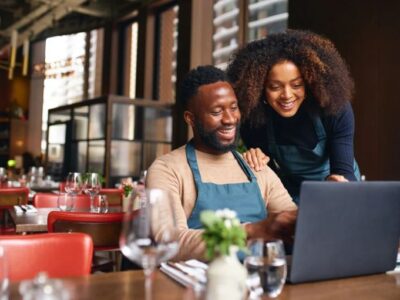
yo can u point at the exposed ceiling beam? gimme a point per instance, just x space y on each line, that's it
32 16
58 12
92 12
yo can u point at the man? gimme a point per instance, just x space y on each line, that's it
207 173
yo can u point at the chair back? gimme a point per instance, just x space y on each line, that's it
104 229
114 196
57 254
13 196
43 200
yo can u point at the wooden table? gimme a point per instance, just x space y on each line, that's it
130 285
31 222
36 222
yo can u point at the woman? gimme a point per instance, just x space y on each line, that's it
294 91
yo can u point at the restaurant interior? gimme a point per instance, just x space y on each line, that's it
89 86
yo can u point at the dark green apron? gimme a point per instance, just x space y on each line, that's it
295 164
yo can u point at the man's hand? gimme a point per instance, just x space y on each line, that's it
256 158
335 177
275 226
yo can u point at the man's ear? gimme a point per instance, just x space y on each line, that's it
189 118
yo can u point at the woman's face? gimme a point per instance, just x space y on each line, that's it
284 88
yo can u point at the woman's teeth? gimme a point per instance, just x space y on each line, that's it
287 105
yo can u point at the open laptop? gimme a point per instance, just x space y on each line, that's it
345 229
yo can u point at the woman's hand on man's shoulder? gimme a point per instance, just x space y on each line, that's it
256 159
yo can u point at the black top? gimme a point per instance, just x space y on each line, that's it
299 131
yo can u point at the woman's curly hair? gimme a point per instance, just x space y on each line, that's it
328 83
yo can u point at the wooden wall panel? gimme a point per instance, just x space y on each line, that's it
367 34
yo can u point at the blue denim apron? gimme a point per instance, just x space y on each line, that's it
243 198
295 164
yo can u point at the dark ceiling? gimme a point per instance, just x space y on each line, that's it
37 19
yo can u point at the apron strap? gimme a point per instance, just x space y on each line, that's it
250 175
191 158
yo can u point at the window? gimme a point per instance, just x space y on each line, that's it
68 77
167 45
130 59
260 17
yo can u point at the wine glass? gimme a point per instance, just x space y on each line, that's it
92 187
149 235
73 185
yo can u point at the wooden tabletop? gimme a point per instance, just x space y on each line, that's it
31 222
130 285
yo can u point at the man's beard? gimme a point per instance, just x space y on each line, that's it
210 138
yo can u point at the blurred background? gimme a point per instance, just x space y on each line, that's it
90 85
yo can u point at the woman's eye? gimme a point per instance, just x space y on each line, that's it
298 85
274 87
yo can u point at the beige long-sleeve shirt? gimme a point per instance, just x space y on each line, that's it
171 172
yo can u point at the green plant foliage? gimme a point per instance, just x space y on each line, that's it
221 231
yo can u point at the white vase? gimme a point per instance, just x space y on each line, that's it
126 202
226 278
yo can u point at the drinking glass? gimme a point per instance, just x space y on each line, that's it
149 234
4 281
73 185
268 260
92 187
65 201
101 204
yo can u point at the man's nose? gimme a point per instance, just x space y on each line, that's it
229 117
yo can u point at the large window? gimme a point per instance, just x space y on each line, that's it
71 71
234 26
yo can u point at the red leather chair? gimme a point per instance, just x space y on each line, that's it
43 200
58 254
8 198
104 229
13 196
114 196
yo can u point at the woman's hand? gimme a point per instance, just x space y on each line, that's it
256 158
335 177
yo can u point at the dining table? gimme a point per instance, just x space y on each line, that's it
131 285
36 222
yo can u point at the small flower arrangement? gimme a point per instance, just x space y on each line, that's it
127 186
222 230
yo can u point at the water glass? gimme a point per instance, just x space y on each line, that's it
65 201
4 280
100 204
268 260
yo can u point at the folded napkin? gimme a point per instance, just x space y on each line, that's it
188 273
25 209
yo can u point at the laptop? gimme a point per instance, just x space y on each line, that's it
345 229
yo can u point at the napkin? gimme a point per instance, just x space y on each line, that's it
29 209
188 273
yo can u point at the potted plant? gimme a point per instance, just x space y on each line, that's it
223 237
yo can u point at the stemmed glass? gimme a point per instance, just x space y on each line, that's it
73 185
92 187
149 234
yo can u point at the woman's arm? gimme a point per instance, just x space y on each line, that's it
341 145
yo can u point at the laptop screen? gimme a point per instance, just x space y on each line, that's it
345 229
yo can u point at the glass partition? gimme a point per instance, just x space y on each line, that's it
114 136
